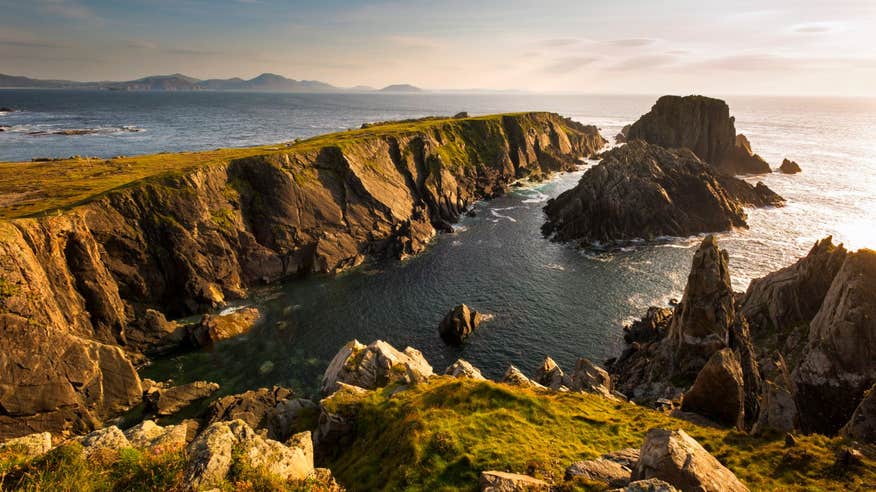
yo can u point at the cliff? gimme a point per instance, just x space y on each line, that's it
642 190
184 233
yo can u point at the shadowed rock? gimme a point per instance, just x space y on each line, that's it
789 167
459 324
167 401
718 391
862 425
275 410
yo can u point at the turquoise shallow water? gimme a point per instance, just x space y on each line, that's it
544 298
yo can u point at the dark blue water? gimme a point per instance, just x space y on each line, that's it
545 298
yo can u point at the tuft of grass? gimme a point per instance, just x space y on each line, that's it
441 434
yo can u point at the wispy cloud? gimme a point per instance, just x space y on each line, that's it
642 62
558 42
632 42
814 28
569 64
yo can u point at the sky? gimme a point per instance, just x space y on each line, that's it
795 47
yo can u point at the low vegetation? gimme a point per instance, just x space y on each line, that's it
440 435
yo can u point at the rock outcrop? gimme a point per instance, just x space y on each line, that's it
459 324
718 392
703 125
187 242
212 452
550 375
515 377
497 481
590 378
678 459
374 366
463 369
789 167
645 191
839 364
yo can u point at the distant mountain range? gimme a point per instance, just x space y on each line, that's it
266 82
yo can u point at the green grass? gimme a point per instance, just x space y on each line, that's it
35 188
440 435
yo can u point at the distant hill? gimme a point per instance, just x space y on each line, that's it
266 82
401 88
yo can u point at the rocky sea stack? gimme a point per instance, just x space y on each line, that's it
703 125
642 190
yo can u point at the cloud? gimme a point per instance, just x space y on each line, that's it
558 42
569 64
633 42
644 62
815 28
142 45
746 63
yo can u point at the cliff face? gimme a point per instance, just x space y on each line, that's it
187 242
703 125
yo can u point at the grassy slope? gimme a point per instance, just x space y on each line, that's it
30 188
438 436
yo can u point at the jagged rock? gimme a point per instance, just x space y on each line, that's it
641 190
701 322
374 366
752 387
591 378
274 410
652 327
149 435
718 392
458 324
337 419
210 455
214 328
621 137
514 377
677 458
549 374
599 470
703 125
650 485
167 401
496 481
463 369
789 167
31 445
107 439
839 363
862 425
792 295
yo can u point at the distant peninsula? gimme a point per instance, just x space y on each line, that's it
266 82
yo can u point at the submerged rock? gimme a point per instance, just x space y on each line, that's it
167 401
214 328
703 125
497 481
677 458
718 392
645 191
374 366
458 324
789 167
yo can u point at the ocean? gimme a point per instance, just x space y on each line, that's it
544 298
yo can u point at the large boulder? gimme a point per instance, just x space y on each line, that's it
645 191
274 410
718 391
703 125
216 327
151 436
167 401
374 366
463 369
701 322
211 455
549 374
31 445
862 425
458 324
497 481
677 458
839 363
602 470
107 439
789 167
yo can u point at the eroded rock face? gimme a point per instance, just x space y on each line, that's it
701 322
210 454
789 167
496 481
167 401
646 191
862 425
458 324
703 125
463 369
275 410
718 392
374 366
677 458
839 364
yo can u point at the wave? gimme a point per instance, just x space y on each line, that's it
497 214
538 197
